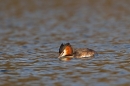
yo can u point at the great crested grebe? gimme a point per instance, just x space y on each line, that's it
66 52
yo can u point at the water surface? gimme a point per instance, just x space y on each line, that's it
31 32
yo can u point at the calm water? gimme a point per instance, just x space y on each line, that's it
31 32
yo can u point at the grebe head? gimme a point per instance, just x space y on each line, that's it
65 50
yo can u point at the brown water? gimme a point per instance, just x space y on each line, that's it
31 32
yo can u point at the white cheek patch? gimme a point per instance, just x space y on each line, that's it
64 53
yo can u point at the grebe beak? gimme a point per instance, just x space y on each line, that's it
60 55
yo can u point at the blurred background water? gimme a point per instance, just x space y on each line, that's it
31 32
